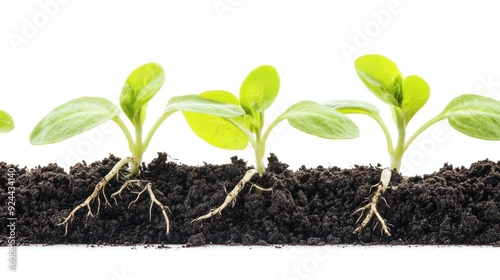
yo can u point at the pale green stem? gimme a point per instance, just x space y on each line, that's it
154 128
378 119
388 137
259 155
263 140
434 120
256 143
260 148
271 127
134 146
125 130
137 151
397 154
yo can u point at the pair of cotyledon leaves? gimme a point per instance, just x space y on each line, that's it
474 115
218 117
257 93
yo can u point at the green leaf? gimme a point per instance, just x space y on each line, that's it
259 90
72 118
6 122
316 119
202 104
474 115
346 106
415 94
216 130
141 85
382 77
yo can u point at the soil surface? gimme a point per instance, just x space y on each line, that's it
309 206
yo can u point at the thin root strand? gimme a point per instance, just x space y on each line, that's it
99 188
231 196
253 185
372 206
149 189
124 186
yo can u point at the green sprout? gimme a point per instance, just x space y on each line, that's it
257 93
6 122
82 114
473 115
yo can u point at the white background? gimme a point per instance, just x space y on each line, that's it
81 48
53 51
250 263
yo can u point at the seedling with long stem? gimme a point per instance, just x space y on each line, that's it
257 93
82 114
473 115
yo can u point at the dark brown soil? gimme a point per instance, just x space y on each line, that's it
309 206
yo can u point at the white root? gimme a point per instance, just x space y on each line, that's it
259 188
149 188
95 194
382 186
124 186
231 197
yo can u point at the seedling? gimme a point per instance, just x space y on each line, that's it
82 114
473 115
257 93
6 122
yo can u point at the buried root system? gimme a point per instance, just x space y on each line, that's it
309 206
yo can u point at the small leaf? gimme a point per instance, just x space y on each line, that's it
141 85
382 77
259 90
353 107
72 118
6 122
415 94
319 120
216 130
474 115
